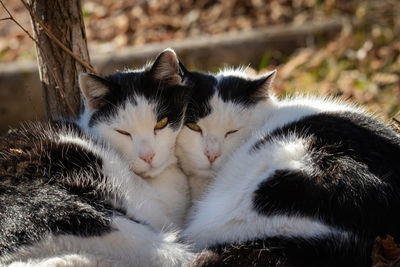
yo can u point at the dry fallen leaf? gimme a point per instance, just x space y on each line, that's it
385 253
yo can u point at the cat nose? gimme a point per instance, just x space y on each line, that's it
212 155
148 157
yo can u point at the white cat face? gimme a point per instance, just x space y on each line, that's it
222 112
203 151
143 140
138 113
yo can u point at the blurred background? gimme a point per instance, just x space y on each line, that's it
352 53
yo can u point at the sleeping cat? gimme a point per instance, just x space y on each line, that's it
68 199
140 120
221 114
314 184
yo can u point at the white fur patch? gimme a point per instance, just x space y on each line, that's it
139 120
231 71
130 244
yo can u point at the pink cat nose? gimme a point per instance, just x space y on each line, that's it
148 157
212 156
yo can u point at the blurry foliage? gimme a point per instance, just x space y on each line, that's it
140 22
112 24
362 64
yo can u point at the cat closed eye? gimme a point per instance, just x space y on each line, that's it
194 127
161 123
230 132
123 132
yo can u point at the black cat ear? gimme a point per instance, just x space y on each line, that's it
182 69
166 68
93 88
263 84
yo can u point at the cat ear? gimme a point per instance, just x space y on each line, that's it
166 68
263 84
93 88
182 69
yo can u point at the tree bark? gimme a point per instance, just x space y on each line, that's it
58 70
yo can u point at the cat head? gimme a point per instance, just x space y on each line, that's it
139 113
222 111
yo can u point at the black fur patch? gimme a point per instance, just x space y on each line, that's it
41 190
202 89
355 182
229 88
239 90
126 86
328 251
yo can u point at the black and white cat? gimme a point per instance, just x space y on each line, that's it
67 199
223 111
302 181
140 118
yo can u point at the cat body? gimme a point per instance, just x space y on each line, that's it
313 185
62 193
105 190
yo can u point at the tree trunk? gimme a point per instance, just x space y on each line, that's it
58 70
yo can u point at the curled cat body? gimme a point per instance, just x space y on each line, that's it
68 199
302 181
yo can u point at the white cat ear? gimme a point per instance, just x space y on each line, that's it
165 68
93 88
264 83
